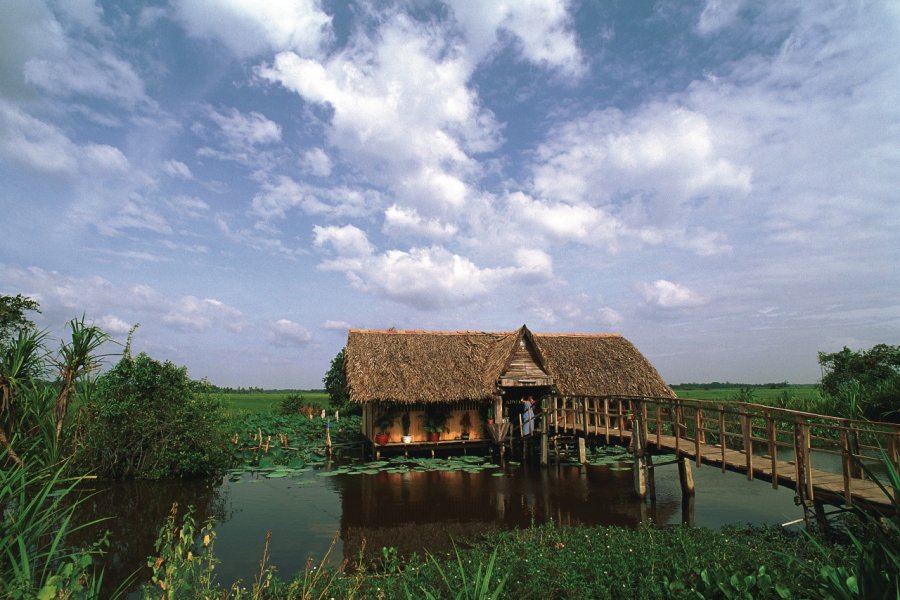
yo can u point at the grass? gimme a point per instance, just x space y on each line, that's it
804 393
265 402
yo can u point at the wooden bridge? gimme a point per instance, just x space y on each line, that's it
817 456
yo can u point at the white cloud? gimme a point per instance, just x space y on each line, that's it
718 14
426 278
346 241
250 28
246 129
402 111
278 196
336 325
667 294
316 162
30 142
407 221
35 144
284 332
60 295
193 314
112 324
671 153
177 169
85 13
542 28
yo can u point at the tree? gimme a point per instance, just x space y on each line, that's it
12 316
147 419
336 382
870 378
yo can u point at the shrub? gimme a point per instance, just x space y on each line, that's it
146 419
294 404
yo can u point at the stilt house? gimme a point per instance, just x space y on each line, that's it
468 378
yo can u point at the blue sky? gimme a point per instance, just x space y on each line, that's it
716 181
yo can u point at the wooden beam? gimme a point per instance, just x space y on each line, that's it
771 435
697 425
722 435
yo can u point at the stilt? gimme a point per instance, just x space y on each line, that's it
685 477
582 451
545 449
821 519
687 507
377 454
328 437
637 448
651 476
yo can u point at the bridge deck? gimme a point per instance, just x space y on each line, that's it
739 425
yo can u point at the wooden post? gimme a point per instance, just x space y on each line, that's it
545 450
845 467
685 477
555 416
584 407
658 424
722 436
606 418
697 426
809 476
855 471
675 428
498 409
748 444
701 426
651 475
621 420
582 451
328 437
771 434
638 469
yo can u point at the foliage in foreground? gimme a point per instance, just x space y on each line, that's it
36 509
147 419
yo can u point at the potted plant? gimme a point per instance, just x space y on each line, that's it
436 417
384 422
465 422
404 421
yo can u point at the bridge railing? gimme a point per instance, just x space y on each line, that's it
766 436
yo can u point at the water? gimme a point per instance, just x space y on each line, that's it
414 511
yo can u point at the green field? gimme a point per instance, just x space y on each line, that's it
803 394
265 402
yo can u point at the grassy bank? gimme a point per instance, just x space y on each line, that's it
546 561
239 403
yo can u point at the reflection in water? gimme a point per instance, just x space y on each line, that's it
136 510
414 512
418 511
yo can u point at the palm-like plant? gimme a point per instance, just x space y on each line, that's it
21 362
76 359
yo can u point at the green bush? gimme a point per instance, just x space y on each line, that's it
147 419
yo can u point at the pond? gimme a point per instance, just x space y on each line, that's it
417 506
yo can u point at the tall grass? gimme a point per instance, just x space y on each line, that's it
37 506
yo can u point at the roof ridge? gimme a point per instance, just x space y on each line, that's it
477 332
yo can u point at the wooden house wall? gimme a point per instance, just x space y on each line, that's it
417 422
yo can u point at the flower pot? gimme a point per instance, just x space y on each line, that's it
382 438
434 437
406 439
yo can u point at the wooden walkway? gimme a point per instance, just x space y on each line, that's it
784 447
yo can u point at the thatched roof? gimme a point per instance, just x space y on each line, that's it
429 366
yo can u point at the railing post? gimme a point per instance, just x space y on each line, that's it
748 442
658 424
675 430
697 426
845 464
621 420
722 436
772 434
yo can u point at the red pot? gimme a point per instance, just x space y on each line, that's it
434 437
382 438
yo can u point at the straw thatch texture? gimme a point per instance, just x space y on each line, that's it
599 365
421 366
